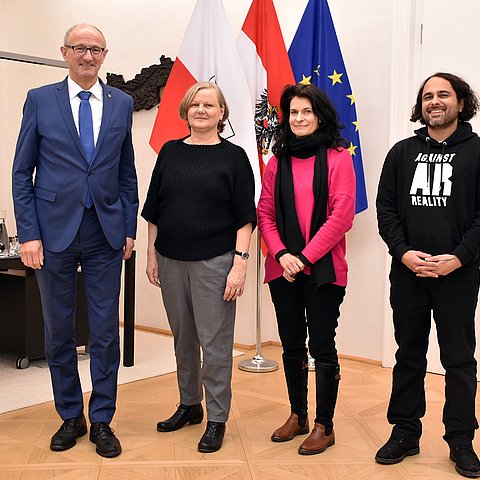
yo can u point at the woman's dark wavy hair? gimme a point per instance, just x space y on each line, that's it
322 108
462 90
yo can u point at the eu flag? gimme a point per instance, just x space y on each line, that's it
316 58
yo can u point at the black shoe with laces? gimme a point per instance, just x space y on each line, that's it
396 449
185 414
66 436
104 438
212 439
466 460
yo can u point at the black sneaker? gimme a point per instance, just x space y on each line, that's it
466 460
396 449
66 436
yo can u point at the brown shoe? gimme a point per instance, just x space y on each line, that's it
317 441
290 429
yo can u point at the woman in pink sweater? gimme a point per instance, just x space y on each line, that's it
306 206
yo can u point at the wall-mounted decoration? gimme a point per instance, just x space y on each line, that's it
145 87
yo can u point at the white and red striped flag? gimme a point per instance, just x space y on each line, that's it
267 68
208 53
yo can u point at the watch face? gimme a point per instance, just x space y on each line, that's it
243 255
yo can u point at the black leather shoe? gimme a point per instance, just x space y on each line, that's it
66 436
104 438
396 449
466 460
184 414
212 439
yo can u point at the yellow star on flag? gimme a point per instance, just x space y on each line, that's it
305 80
317 70
352 148
352 98
336 77
356 125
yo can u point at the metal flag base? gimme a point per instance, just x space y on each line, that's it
258 364
311 363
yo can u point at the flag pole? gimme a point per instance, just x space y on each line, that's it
258 364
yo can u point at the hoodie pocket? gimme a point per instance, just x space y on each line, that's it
432 235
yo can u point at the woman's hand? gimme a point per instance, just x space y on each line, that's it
152 269
291 266
288 277
235 279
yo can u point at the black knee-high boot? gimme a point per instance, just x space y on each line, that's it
327 377
296 376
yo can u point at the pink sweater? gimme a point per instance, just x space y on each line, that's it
340 212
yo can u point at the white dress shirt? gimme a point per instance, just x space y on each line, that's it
96 104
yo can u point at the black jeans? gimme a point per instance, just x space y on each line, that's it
453 300
302 309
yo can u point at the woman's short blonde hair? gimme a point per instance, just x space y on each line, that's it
187 101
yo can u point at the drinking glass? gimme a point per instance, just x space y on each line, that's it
14 245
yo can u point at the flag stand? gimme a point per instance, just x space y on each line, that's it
258 363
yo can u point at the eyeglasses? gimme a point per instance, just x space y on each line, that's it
81 50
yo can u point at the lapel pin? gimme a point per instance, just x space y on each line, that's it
109 95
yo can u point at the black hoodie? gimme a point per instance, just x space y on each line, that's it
429 195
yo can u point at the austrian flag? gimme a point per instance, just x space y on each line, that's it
267 68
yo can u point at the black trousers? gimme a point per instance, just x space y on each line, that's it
453 300
302 310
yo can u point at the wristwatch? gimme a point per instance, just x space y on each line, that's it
243 255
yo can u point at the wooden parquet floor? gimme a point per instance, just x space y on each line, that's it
259 406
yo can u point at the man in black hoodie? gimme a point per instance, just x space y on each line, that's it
428 210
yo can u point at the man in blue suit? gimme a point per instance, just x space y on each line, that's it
76 201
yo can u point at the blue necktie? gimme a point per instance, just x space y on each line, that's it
85 124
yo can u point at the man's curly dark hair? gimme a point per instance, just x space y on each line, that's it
463 91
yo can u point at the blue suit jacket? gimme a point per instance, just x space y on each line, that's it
49 205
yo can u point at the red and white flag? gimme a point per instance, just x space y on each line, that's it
267 68
208 53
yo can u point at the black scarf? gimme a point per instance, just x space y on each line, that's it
286 215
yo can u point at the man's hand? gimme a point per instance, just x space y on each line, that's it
31 253
415 261
128 248
444 264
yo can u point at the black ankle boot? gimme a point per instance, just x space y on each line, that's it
184 414
212 439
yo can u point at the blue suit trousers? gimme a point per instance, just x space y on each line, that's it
101 268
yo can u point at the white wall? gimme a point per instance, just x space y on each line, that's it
137 34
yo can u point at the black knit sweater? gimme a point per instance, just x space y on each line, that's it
199 196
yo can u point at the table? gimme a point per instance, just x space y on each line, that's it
20 303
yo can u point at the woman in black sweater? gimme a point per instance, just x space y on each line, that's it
200 211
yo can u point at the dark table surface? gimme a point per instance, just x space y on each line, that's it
7 261
14 262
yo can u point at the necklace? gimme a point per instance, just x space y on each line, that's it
189 142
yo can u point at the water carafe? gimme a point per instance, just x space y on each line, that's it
4 242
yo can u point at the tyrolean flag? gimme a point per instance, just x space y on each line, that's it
208 53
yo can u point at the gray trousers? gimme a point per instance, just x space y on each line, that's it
199 317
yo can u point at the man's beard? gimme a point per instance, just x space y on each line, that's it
444 120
